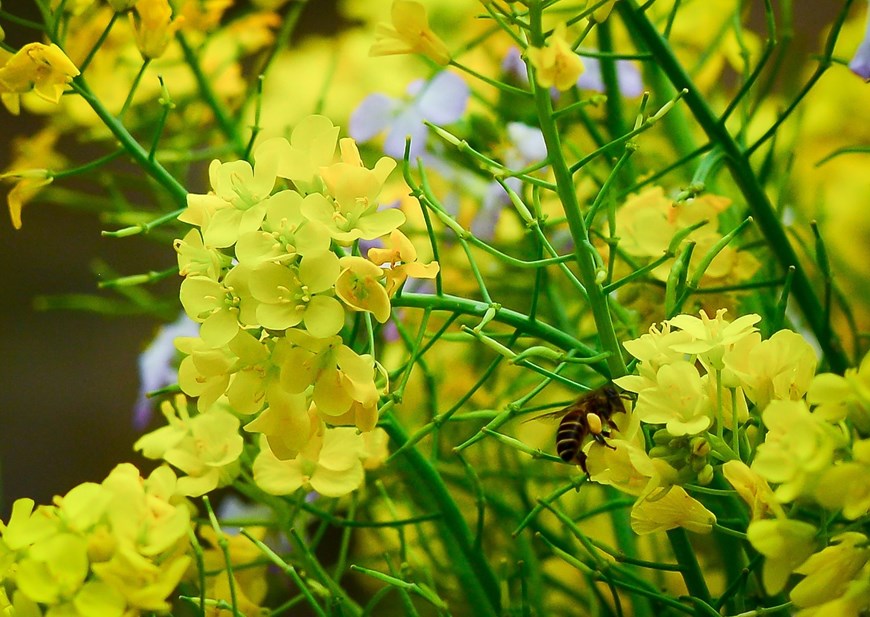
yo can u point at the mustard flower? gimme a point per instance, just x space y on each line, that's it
753 489
409 34
360 288
29 183
218 306
311 146
830 572
401 257
290 295
205 371
654 350
780 367
785 544
836 398
206 447
798 448
32 158
26 525
285 235
54 569
354 190
36 67
846 486
330 464
678 400
338 374
153 27
711 338
555 64
675 508
144 584
287 423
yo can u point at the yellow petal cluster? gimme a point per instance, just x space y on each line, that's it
556 64
42 69
409 33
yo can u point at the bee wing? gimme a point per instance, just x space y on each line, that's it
551 416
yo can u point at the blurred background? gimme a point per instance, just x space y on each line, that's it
68 380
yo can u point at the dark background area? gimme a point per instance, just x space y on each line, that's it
68 380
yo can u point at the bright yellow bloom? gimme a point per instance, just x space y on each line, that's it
154 27
311 146
287 424
42 69
402 260
250 584
846 486
837 398
711 338
678 400
360 288
409 34
556 64
753 489
675 509
28 184
830 572
785 544
330 464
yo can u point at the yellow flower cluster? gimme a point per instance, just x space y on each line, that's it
703 386
113 549
269 347
697 377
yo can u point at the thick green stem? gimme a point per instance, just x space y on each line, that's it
738 163
583 249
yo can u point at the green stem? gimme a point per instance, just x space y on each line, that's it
470 566
690 568
737 161
133 147
583 249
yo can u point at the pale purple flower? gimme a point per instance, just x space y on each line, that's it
526 147
441 100
156 365
860 64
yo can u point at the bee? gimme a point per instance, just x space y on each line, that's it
589 416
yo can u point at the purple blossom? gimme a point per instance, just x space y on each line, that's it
156 366
526 146
441 100
860 64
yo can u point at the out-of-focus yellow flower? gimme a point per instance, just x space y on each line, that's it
780 367
836 398
311 146
250 584
798 447
831 571
120 6
555 64
675 509
402 260
29 184
154 27
33 157
785 545
36 67
602 12
846 486
753 489
409 34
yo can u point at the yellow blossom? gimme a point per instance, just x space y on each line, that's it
678 400
675 509
785 545
846 486
753 489
154 27
311 146
835 398
42 69
330 464
359 287
409 34
798 447
28 184
556 64
402 260
830 572
711 338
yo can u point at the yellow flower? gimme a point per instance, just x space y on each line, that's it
753 489
311 146
402 260
250 583
846 486
359 287
837 398
30 182
154 27
556 64
654 350
409 34
830 572
678 400
42 69
798 448
675 509
785 545
330 464
287 423
711 338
